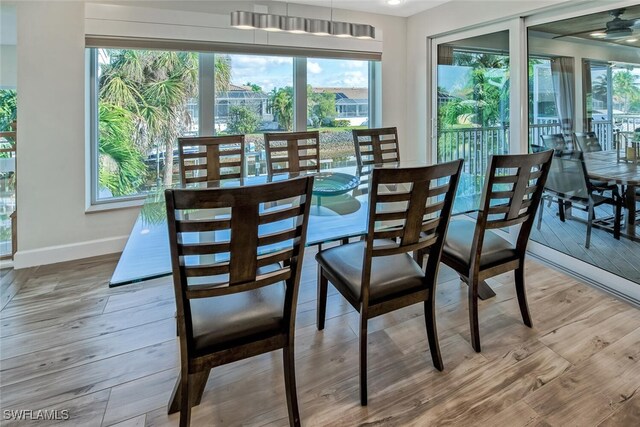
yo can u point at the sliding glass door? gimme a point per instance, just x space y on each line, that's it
471 114
584 92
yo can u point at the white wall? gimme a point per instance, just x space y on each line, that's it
441 20
52 223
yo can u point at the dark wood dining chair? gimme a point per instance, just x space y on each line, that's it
378 275
512 192
292 151
568 184
236 272
211 158
376 146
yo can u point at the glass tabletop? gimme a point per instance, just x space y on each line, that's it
339 210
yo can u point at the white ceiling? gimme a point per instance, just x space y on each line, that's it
406 8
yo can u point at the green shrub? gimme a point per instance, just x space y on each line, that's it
340 123
242 119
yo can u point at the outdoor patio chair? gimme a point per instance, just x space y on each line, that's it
556 142
569 186
587 142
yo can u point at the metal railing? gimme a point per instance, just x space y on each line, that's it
543 127
475 146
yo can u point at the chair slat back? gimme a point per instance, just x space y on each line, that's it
411 206
292 151
220 237
512 193
587 141
376 146
211 158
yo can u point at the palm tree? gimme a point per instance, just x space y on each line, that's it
222 73
625 88
155 87
282 104
122 169
8 111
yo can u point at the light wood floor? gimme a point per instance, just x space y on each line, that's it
110 357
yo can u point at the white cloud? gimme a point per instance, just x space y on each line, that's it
354 79
361 65
314 67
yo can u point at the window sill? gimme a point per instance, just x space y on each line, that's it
125 204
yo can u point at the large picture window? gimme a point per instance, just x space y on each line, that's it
253 95
143 100
337 103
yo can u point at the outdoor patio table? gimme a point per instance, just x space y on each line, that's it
603 166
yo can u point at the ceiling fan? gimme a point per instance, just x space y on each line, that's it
615 29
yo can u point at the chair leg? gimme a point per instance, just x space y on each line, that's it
418 257
561 211
323 284
290 384
363 359
617 219
198 382
540 213
589 224
522 296
180 400
432 332
176 395
473 314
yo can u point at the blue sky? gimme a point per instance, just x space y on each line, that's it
271 72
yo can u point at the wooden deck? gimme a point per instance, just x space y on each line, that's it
110 357
621 257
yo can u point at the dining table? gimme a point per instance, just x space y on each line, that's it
606 166
339 211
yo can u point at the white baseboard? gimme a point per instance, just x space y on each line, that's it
70 252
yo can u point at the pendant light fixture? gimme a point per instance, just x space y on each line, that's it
297 25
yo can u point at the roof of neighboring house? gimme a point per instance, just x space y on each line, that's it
345 92
239 91
233 87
